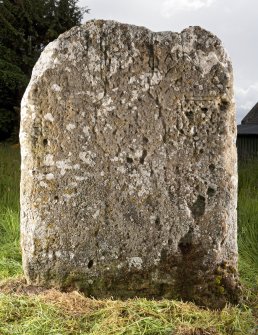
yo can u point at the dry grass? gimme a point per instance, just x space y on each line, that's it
65 313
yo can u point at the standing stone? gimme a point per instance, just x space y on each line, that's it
129 168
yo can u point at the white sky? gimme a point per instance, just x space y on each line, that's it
235 22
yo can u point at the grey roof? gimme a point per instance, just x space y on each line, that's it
247 129
252 116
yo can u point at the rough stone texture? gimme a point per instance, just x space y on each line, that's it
129 182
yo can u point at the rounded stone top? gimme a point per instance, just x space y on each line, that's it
198 46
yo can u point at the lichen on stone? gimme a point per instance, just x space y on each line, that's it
129 181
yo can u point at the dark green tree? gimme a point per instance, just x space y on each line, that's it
26 27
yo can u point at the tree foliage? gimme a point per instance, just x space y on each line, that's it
26 27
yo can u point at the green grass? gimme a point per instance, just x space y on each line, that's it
248 223
55 313
10 255
72 314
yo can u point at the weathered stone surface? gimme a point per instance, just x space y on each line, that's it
129 181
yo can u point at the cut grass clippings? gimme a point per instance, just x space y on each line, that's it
53 312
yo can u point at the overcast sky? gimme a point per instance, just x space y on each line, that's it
235 22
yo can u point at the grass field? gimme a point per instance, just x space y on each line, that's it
54 313
10 256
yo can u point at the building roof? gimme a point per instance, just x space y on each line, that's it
252 116
247 129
